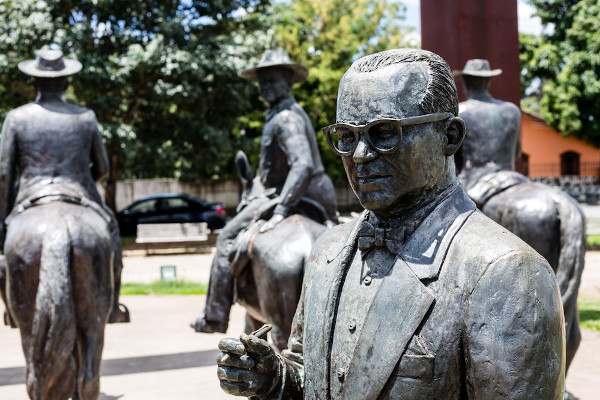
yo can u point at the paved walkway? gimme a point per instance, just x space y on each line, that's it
158 357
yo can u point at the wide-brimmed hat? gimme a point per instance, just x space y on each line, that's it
477 67
49 64
276 59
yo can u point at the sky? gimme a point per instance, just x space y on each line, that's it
527 23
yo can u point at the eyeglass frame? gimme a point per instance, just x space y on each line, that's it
397 122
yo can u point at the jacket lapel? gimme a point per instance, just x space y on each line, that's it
402 301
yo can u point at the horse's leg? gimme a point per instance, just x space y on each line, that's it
278 276
92 293
251 324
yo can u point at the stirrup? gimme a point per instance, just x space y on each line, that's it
120 316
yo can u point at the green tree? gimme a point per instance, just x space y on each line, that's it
327 36
565 62
161 76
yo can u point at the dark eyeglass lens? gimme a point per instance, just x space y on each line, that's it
384 135
343 139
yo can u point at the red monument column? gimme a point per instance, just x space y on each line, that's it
460 30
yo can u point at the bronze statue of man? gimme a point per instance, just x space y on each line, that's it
546 218
34 139
421 297
484 152
290 170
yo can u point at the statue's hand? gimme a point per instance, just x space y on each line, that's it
247 367
272 222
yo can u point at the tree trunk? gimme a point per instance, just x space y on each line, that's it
110 186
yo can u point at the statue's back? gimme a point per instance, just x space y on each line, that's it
493 134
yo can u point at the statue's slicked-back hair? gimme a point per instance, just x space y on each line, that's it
440 95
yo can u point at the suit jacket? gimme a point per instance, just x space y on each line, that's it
469 311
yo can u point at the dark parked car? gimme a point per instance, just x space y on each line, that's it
169 208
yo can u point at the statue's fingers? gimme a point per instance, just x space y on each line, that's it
232 374
231 360
231 345
236 388
254 345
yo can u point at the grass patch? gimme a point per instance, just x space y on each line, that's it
162 287
127 240
589 314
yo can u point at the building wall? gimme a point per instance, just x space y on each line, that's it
226 192
544 146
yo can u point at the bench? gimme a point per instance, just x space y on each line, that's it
170 236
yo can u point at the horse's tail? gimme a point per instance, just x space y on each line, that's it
53 367
570 266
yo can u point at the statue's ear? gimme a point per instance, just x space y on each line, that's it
455 132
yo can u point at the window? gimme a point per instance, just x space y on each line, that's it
569 163
174 202
143 206
522 164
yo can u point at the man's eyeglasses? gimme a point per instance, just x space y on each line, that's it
384 134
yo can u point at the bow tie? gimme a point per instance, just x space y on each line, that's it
371 236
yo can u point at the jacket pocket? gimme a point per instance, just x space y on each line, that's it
416 366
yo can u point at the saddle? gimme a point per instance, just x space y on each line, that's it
240 252
493 183
50 196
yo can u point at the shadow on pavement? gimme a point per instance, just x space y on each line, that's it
132 365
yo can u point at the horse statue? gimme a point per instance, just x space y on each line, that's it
269 267
548 219
59 291
61 249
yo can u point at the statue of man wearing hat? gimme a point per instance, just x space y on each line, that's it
290 170
484 152
422 296
34 139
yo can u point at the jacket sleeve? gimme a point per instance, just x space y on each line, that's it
291 378
514 325
292 140
98 155
8 159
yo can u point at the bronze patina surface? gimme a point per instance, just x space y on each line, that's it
421 297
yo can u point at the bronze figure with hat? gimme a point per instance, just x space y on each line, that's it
548 219
61 262
290 173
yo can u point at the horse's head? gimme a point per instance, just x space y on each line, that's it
246 178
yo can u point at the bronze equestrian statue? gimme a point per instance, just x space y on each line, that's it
290 183
61 243
548 219
422 296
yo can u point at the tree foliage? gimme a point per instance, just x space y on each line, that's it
161 75
327 36
565 61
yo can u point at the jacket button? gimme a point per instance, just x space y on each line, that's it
352 326
341 374
367 280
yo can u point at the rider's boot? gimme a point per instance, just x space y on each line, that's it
219 297
119 312
8 320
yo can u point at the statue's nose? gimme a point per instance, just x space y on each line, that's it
363 152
